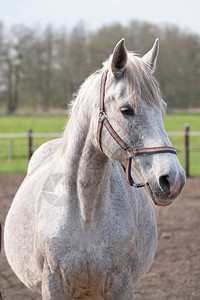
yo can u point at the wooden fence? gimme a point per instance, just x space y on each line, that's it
30 135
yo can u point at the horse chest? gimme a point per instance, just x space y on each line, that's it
108 246
116 240
87 263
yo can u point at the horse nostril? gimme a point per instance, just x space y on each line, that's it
164 183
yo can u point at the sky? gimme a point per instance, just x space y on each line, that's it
96 13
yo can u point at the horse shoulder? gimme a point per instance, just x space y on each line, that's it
41 154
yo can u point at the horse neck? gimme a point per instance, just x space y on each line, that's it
92 181
86 167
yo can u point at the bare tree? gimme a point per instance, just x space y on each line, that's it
41 68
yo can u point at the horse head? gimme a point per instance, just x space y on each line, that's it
132 109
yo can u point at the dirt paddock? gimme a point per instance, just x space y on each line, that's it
175 273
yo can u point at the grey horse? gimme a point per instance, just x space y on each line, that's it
82 224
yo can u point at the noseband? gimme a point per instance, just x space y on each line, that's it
131 152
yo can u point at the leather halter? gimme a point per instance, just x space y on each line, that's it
131 152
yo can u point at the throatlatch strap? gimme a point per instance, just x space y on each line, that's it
100 125
114 134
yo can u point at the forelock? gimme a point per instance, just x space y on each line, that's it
141 82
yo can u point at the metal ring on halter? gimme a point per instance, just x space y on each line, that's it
102 115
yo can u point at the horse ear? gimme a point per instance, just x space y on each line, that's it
119 58
150 57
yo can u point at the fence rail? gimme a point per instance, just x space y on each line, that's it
57 134
31 135
25 134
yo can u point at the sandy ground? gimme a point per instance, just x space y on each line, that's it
175 272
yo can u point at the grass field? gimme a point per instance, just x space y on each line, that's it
176 122
21 124
47 124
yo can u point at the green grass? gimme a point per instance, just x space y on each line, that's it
15 124
18 124
176 122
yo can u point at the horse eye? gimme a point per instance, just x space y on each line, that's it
127 110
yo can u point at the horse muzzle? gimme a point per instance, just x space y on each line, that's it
166 188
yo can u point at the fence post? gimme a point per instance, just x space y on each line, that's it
0 251
187 166
30 144
0 241
10 152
